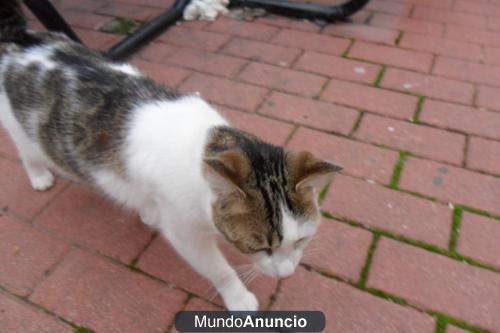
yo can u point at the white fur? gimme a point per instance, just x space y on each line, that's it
207 10
163 181
125 68
284 260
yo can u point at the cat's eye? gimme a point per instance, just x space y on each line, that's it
299 242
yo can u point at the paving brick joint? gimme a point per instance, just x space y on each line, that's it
406 96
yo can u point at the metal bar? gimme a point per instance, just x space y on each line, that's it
50 18
305 10
148 31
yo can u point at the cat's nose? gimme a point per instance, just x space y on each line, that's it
286 269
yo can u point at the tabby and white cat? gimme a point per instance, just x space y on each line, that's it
171 157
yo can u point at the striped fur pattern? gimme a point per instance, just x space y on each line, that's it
169 156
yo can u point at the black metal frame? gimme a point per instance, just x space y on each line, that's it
52 20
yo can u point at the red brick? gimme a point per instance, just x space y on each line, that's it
140 13
358 159
197 304
467 71
226 92
363 32
7 147
312 113
158 52
390 7
17 196
208 62
164 74
96 39
81 5
493 23
348 309
392 56
250 30
195 38
446 4
389 210
261 52
285 22
338 67
467 34
269 130
440 46
86 289
454 329
150 3
17 316
192 24
492 55
484 155
159 259
421 140
26 255
478 238
371 99
360 17
427 85
85 20
407 24
93 221
338 249
446 16
438 283
283 79
481 8
488 97
312 41
461 118
452 184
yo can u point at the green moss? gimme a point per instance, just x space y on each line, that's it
80 329
119 26
379 77
479 212
368 262
387 296
420 105
440 325
398 170
413 242
323 193
445 320
457 218
357 123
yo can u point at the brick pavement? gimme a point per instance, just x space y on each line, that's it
406 97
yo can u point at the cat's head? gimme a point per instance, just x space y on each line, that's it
265 198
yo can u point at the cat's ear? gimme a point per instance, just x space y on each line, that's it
227 172
308 171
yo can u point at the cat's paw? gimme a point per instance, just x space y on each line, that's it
43 181
245 301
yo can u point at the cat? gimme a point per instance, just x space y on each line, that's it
171 157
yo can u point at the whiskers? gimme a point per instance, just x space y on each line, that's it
246 272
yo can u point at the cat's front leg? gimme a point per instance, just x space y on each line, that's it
202 253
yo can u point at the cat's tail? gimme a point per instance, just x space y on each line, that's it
12 22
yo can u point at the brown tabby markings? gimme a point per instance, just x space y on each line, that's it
250 216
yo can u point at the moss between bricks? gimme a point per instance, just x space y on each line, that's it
119 26
80 329
398 169
413 242
380 74
420 105
457 219
369 258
